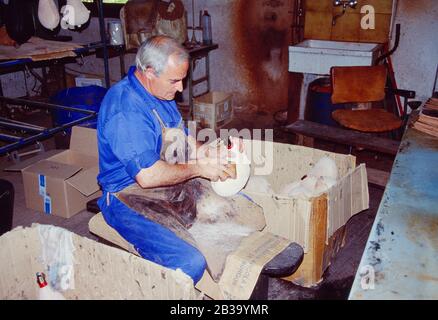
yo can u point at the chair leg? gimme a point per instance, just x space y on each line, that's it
305 141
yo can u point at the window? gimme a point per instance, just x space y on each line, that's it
111 8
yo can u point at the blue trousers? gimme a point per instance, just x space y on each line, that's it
151 240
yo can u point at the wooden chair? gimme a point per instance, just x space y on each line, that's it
361 84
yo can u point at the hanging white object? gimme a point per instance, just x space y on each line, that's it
230 187
75 14
48 14
46 292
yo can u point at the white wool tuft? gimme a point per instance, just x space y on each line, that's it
218 240
320 178
325 167
211 207
259 184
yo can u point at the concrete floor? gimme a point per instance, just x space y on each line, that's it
338 277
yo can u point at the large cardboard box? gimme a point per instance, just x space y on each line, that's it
242 267
97 271
63 183
213 109
317 224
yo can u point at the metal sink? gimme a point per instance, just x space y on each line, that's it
318 56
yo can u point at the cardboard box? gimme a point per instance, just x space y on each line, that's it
242 267
317 224
83 81
99 271
63 183
213 109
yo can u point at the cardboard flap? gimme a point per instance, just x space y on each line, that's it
347 198
244 265
84 140
85 181
53 169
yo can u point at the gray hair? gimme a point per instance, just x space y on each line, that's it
155 52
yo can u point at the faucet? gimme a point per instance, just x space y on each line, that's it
344 3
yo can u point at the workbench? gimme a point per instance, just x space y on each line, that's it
400 260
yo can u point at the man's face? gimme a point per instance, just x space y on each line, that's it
169 81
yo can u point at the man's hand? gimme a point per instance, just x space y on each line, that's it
236 140
215 171
220 150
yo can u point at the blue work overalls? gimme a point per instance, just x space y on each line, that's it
151 240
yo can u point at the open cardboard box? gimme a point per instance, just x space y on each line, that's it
213 109
242 267
99 271
63 183
317 224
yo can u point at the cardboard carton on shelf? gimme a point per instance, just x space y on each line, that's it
213 110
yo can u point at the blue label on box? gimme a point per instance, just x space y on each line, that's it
42 184
47 204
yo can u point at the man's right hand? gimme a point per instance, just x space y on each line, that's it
215 171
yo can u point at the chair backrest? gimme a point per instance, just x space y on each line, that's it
358 84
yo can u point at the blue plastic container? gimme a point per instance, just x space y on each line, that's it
86 98
319 102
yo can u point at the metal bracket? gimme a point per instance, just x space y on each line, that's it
15 156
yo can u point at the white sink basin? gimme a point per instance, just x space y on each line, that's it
318 56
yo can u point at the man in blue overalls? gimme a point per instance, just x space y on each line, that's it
133 117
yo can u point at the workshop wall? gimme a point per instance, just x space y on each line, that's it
320 15
251 61
416 58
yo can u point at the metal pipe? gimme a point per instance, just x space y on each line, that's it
46 134
104 42
344 3
31 103
23 123
8 137
396 43
338 16
14 126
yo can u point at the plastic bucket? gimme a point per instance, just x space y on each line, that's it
319 102
86 98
